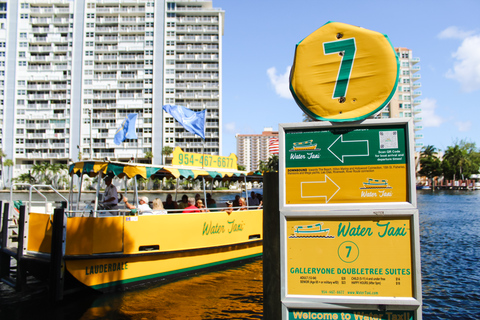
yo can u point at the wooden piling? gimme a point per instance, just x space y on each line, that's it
57 263
272 305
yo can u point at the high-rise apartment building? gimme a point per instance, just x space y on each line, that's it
253 148
70 72
405 103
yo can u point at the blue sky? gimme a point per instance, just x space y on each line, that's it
259 44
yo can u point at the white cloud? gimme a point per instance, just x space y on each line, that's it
454 32
429 118
463 126
230 127
280 82
466 67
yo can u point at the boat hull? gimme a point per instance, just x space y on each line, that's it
117 252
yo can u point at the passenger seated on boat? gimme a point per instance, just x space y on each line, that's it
260 199
197 197
229 208
211 203
236 202
184 203
143 207
242 205
191 208
200 206
110 196
169 203
158 207
253 200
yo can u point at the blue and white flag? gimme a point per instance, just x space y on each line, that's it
192 121
127 129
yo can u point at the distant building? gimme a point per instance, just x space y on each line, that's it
405 103
253 148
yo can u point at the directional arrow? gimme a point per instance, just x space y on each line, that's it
354 148
319 189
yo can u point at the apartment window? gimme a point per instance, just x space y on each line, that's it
147 140
87 101
170 81
405 55
91 15
89 53
148 100
20 131
22 63
170 100
24 5
147 120
24 16
88 91
149 15
168 120
170 33
149 24
171 15
148 111
90 34
148 62
23 44
21 92
170 43
406 72
19 151
88 62
170 52
90 25
149 34
148 91
149 43
406 89
169 90
22 54
171 6
171 24
406 80
88 72
170 71
20 102
170 62
405 64
89 44
2 44
148 81
19 141
2 54
88 81
148 71
149 52
147 130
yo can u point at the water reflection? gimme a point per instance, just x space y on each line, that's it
229 294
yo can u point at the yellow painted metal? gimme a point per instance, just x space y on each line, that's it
39 232
186 241
315 73
358 257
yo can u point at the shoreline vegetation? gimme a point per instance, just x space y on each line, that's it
457 166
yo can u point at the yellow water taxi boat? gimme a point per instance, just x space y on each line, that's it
111 250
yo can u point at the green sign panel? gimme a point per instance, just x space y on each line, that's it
345 146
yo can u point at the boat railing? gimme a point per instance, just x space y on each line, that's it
46 205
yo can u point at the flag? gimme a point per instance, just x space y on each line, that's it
273 146
127 129
192 121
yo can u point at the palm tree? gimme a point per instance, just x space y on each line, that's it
166 152
25 178
149 156
430 165
8 163
2 155
57 172
39 170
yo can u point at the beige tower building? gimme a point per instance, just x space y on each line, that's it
253 148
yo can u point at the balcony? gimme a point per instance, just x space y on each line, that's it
417 110
415 77
416 102
417 85
415 69
417 119
419 136
417 93
416 128
415 60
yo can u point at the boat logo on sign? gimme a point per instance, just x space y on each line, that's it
376 184
307 145
311 231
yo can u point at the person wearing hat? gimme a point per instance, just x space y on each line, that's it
229 208
143 207
110 196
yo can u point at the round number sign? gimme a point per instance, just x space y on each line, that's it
343 73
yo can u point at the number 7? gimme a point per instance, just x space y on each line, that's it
347 48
